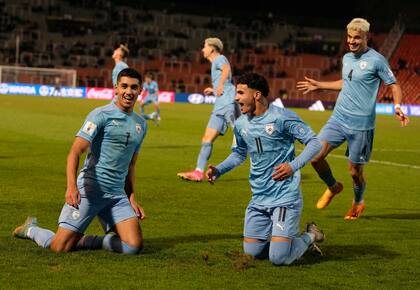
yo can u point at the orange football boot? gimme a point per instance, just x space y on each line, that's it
328 195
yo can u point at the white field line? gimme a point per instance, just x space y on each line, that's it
378 161
382 162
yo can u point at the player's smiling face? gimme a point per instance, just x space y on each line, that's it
128 90
356 40
245 97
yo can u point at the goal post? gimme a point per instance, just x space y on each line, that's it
33 75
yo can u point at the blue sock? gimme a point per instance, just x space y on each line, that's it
204 155
258 250
328 178
90 243
42 237
285 253
358 192
114 243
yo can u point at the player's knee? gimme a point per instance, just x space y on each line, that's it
256 249
278 259
136 243
355 173
60 247
130 249
279 253
206 140
318 158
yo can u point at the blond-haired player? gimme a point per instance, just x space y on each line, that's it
353 119
224 110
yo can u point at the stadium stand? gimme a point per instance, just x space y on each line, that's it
82 34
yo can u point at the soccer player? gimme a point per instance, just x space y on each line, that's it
268 133
119 55
105 186
223 113
353 119
150 93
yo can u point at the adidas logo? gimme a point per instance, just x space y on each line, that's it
278 103
317 106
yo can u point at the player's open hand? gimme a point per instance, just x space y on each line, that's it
212 174
137 208
402 117
73 197
208 91
219 91
307 86
282 172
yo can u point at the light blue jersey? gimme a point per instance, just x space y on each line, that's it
119 66
362 75
229 92
152 88
269 140
115 137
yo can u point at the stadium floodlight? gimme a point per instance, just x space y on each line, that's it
33 75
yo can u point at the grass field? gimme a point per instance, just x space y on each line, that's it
193 232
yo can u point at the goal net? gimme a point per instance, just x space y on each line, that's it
32 75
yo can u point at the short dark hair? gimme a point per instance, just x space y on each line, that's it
254 81
129 72
150 75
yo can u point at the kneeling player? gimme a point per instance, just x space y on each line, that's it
268 133
105 185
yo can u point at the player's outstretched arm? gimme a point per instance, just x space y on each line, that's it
310 85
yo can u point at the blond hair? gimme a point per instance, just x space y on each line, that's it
359 24
215 42
124 49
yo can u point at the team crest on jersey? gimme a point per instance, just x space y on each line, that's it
269 128
363 64
89 128
138 128
244 132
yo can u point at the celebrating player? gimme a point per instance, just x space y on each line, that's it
223 113
106 183
353 119
268 133
119 55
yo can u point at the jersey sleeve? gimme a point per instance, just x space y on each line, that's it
298 129
239 146
93 124
304 134
385 72
236 158
221 61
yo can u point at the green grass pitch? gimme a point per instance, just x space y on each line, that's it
193 232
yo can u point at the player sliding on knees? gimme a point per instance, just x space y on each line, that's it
105 185
268 133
